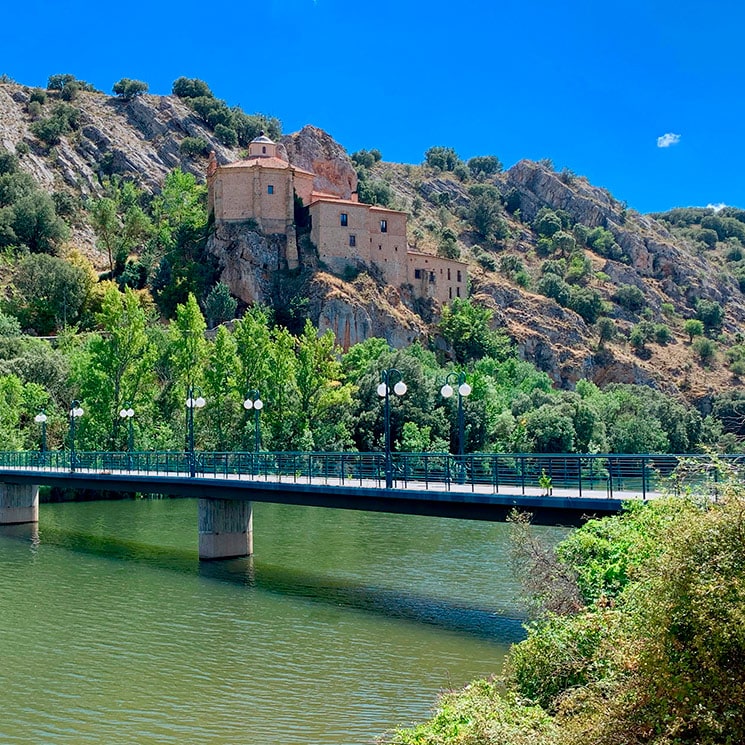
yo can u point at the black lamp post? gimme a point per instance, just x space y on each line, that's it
75 412
463 390
41 418
384 390
128 413
253 401
191 404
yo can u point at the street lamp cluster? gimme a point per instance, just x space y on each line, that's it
384 390
191 404
387 377
253 401
75 413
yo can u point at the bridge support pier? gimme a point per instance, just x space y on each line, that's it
19 503
225 528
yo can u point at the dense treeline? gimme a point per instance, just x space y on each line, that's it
315 396
638 636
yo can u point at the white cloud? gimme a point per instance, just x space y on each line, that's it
716 207
669 138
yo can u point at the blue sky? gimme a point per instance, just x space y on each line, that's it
592 85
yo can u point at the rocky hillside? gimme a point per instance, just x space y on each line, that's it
585 286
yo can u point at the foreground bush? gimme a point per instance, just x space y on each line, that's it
654 653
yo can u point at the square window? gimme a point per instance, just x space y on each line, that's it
344 219
352 240
384 226
270 189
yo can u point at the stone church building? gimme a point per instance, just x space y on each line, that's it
346 232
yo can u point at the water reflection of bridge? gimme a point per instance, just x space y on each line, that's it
556 489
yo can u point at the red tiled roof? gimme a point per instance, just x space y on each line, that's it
265 162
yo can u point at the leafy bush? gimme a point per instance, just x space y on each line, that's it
366 158
38 95
194 146
710 313
547 222
128 89
484 165
556 288
705 348
227 135
191 88
441 158
630 297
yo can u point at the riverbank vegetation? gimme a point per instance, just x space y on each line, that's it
317 397
638 637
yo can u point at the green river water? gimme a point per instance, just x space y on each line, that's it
342 626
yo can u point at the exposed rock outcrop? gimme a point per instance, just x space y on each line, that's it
314 150
249 262
361 309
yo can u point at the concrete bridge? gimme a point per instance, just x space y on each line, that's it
556 489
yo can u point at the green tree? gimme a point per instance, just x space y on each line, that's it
190 88
467 328
221 390
693 327
188 345
220 305
547 222
487 165
36 224
116 369
128 89
324 402
48 293
710 313
441 158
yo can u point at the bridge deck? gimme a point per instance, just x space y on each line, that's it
563 505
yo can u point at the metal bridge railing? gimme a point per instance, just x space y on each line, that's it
607 475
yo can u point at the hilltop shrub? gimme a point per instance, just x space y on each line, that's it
38 95
128 89
484 165
191 88
441 158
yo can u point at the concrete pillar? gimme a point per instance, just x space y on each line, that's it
225 528
19 503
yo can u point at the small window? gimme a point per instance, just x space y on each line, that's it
263 149
352 240
344 219
460 278
431 276
457 291
417 273
270 189
448 272
450 292
395 248
380 248
384 226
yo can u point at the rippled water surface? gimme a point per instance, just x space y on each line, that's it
343 625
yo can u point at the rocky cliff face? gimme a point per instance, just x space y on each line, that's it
314 150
